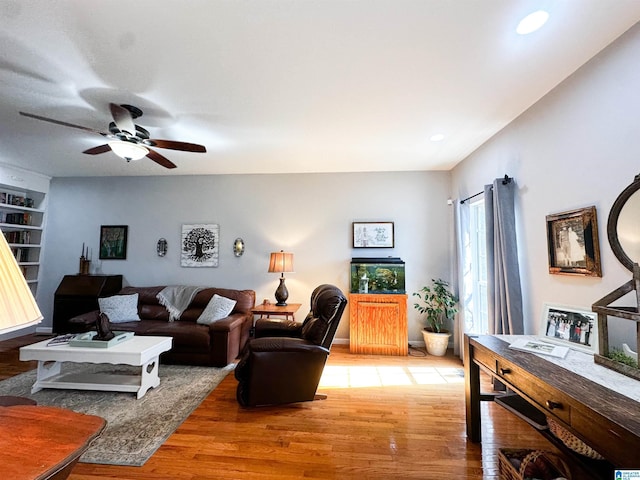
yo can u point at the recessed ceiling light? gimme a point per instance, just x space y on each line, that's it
438 137
532 22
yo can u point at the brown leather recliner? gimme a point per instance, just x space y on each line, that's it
284 363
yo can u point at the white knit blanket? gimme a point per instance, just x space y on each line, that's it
176 299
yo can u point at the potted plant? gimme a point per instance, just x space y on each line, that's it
439 304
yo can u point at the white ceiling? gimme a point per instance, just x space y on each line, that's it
274 86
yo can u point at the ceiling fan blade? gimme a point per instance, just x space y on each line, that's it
160 160
64 124
123 119
99 149
184 146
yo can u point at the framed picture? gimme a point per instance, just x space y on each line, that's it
572 239
200 245
535 346
571 327
113 242
372 234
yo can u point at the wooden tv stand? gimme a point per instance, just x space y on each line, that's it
606 420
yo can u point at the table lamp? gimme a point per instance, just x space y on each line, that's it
18 308
281 262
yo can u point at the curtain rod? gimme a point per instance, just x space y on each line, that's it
505 181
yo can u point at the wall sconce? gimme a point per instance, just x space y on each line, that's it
238 247
161 247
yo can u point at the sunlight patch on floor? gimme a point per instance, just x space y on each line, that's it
339 376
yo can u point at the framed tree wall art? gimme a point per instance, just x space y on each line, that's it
113 242
572 239
200 245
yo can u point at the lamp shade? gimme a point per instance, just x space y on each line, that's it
18 308
128 150
281 262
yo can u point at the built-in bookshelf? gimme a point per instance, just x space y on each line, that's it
22 212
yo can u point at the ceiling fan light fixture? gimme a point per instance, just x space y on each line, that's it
128 150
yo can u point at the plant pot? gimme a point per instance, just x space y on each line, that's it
436 343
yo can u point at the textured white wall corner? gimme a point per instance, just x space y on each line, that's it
577 147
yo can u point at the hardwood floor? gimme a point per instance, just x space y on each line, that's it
385 417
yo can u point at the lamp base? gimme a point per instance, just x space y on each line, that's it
281 294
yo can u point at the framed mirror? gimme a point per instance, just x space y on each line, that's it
623 228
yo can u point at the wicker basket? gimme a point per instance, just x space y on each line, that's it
524 464
571 441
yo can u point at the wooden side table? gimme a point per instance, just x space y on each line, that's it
49 441
268 309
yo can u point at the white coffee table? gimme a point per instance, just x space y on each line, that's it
140 351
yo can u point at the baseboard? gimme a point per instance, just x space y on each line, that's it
44 330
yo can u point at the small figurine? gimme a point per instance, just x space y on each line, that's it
102 326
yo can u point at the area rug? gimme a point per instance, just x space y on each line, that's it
135 428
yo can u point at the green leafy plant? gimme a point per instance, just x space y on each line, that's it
618 355
437 302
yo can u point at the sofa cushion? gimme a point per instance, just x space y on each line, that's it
245 300
186 336
218 308
120 308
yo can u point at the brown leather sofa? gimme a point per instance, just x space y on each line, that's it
284 363
213 345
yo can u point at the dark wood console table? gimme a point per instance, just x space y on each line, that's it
607 421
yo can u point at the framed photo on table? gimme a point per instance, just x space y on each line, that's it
372 234
113 242
572 239
572 327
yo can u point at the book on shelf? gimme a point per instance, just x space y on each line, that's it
537 346
61 340
16 200
22 237
17 218
21 254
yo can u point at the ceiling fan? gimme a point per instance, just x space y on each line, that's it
128 140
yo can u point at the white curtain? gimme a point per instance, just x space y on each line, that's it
504 296
463 254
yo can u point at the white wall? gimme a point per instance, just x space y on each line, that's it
307 214
579 146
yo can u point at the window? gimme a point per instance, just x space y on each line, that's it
476 310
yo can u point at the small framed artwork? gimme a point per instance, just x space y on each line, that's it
200 245
572 239
572 327
113 242
372 234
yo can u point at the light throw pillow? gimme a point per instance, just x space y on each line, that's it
217 308
120 308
